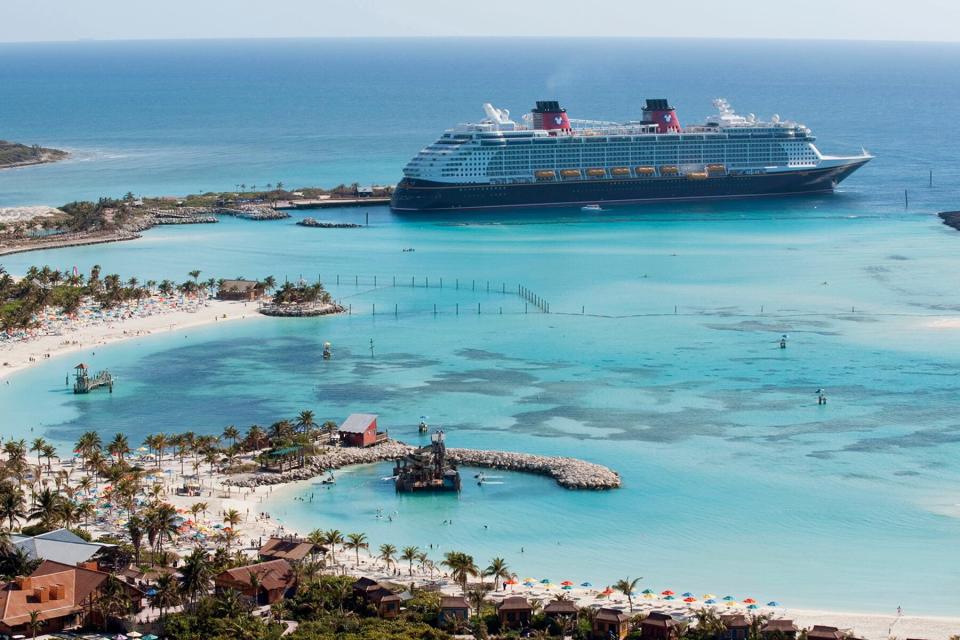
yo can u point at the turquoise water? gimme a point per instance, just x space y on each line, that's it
659 359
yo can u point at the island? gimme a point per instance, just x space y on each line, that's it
13 154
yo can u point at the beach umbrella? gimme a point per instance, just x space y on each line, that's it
607 591
728 598
134 634
511 581
753 606
689 599
749 601
648 591
649 596
669 598
710 601
731 603
529 579
773 603
545 581
529 584
666 592
567 583
567 587
150 636
707 596
585 584
687 595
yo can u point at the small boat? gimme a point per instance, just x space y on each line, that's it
329 480
591 207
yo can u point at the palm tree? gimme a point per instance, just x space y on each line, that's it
49 452
135 527
46 508
476 596
356 541
387 553
12 505
119 447
165 595
410 554
305 420
197 508
195 274
498 570
461 567
232 433
195 575
331 539
38 446
35 623
627 588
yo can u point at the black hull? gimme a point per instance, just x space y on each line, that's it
423 195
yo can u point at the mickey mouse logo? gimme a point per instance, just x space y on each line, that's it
557 120
667 117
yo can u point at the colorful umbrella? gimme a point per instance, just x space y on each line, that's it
728 598
687 595
545 581
567 583
666 593
607 591
773 603
567 587
649 596
585 584
753 606
511 581
749 601
689 599
707 596
648 591
669 598
529 584
710 601
731 603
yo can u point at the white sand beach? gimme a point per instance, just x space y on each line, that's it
16 355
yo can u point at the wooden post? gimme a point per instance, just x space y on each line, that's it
441 283
458 308
338 278
426 282
350 310
394 280
434 308
478 308
906 200
374 280
374 309
396 309
356 280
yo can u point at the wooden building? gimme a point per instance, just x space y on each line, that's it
735 627
514 612
263 583
379 596
360 430
293 550
247 290
610 624
561 610
659 626
451 608
64 596
779 630
822 632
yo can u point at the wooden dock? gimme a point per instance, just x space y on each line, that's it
326 203
85 383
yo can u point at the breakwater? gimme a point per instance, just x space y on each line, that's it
570 473
951 219
305 310
320 224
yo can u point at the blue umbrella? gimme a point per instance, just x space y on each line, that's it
585 584
567 587
773 603
753 606
545 581
728 598
710 601
688 595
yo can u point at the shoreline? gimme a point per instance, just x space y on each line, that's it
865 625
20 355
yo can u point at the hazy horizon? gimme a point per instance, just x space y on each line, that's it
116 20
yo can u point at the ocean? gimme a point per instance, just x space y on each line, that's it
659 357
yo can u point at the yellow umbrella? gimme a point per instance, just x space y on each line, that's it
731 603
649 596
707 596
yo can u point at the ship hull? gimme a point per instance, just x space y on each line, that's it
423 195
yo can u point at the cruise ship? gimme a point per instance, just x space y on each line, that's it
550 159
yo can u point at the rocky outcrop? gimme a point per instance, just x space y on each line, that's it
305 310
570 473
951 218
320 224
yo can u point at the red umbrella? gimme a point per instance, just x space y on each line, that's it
510 581
607 591
750 601
689 599
666 593
566 583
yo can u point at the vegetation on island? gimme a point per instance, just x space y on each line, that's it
41 288
13 154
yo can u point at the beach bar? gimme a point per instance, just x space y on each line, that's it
360 430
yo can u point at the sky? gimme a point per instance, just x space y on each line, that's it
67 20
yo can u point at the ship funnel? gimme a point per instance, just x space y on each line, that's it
549 116
659 112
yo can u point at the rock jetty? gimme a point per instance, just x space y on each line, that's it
305 310
951 218
320 224
570 473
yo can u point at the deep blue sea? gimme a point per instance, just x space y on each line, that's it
660 358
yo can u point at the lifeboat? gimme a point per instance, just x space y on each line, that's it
646 171
669 170
697 175
596 173
716 168
620 171
545 175
570 173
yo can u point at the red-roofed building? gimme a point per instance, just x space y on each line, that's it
360 430
264 582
